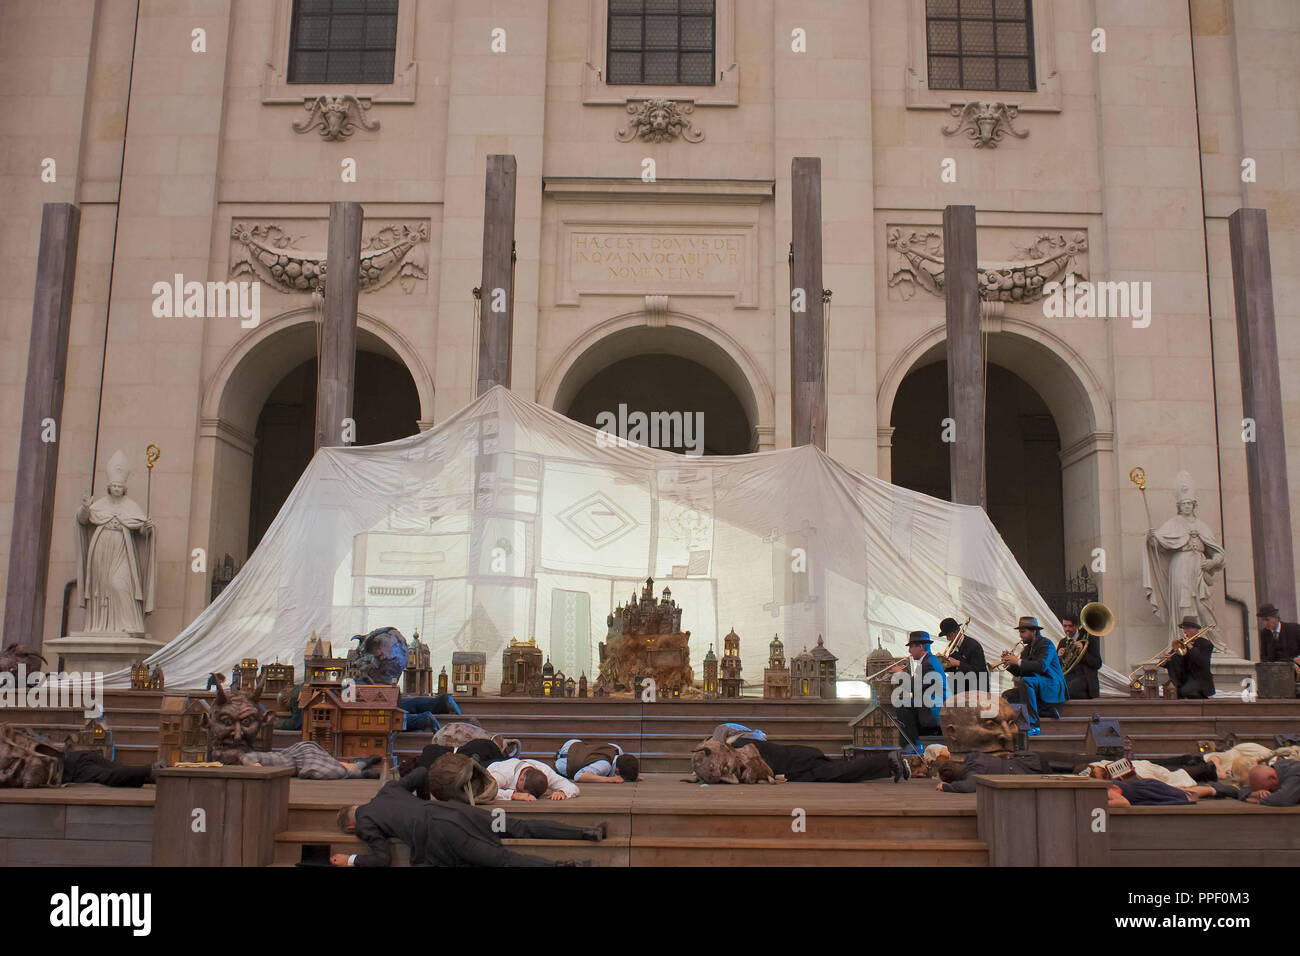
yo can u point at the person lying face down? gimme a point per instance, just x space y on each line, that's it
444 833
520 779
1275 786
594 761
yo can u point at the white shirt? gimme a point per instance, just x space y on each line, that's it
506 774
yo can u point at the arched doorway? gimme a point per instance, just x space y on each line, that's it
275 365
664 369
1022 462
385 406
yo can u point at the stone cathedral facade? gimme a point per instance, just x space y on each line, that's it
1099 140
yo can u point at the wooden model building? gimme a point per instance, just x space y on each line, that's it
548 680
244 676
142 678
729 681
813 674
169 729
442 680
321 666
582 684
776 676
361 727
417 679
93 735
710 674
521 669
467 670
882 683
873 728
194 731
275 679
645 636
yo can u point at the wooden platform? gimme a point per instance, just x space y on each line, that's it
664 733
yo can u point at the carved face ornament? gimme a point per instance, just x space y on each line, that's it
977 721
234 724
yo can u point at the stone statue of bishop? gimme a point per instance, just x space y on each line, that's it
1180 561
116 557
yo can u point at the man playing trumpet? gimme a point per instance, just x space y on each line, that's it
1039 682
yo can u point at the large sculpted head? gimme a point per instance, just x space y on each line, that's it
715 762
235 724
978 721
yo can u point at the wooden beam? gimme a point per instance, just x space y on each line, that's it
1261 400
965 355
497 293
38 458
807 322
336 375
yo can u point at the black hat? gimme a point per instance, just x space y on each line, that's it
918 637
1268 610
948 626
1190 622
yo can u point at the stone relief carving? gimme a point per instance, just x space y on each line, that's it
915 259
658 121
268 252
337 117
985 123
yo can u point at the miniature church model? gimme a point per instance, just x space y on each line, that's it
521 669
729 681
321 666
813 674
776 676
418 676
645 638
710 674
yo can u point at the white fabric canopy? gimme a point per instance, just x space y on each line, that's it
509 520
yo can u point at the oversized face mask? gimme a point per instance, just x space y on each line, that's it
977 721
234 725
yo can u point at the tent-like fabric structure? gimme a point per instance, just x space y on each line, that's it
508 520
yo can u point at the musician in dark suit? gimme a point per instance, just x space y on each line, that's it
966 663
1277 641
443 833
1082 681
1190 672
921 716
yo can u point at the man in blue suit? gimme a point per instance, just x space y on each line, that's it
1040 682
921 717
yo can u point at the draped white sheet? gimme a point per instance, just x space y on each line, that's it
509 520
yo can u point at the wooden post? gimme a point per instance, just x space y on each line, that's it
338 345
807 312
243 809
1261 401
1042 819
497 303
38 448
965 358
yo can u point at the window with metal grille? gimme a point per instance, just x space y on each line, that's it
980 44
660 42
343 41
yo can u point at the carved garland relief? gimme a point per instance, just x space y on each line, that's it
270 253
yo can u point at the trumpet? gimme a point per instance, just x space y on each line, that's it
1008 658
890 666
1180 646
954 643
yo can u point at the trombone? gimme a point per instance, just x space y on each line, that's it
1180 646
954 643
892 664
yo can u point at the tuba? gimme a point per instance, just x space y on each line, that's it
1095 620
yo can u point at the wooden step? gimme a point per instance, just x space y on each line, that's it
288 847
797 850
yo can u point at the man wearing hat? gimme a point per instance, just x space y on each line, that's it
922 717
966 663
1190 672
1277 641
1040 683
